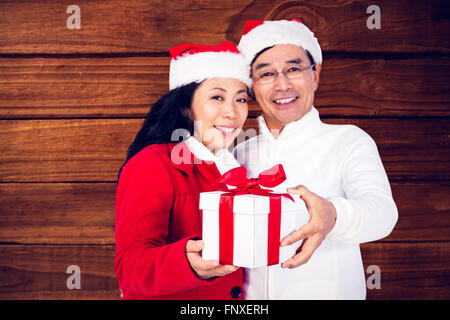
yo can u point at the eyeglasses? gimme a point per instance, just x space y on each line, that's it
268 77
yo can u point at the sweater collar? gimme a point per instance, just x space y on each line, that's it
301 126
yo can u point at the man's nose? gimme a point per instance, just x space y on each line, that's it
282 82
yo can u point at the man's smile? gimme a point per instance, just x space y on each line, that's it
285 100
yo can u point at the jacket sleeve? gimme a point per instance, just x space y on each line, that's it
144 262
367 212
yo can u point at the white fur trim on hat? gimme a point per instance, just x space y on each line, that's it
197 67
272 33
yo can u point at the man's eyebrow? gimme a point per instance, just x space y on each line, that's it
261 65
297 61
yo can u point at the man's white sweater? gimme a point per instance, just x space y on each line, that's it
341 164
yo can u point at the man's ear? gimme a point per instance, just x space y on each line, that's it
317 75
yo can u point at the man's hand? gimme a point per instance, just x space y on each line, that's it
322 219
205 269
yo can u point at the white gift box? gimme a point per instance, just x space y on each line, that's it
250 233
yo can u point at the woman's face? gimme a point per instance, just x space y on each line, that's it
219 110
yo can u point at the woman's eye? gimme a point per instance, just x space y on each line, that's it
242 100
218 98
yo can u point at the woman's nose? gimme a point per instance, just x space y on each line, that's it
229 110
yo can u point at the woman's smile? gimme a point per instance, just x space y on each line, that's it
227 130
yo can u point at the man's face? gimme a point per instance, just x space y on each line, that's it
285 100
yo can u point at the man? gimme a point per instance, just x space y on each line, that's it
336 168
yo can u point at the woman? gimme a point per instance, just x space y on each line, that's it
158 223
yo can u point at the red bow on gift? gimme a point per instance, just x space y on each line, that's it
237 177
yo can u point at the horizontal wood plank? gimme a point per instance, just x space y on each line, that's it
94 149
64 150
423 210
83 213
57 213
81 87
378 87
408 271
40 27
128 86
39 272
409 148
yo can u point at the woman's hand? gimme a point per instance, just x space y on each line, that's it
205 269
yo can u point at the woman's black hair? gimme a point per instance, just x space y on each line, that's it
169 113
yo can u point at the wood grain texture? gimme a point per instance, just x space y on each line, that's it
39 272
93 150
424 210
61 213
83 213
81 87
65 150
128 86
408 271
155 26
411 149
71 102
379 87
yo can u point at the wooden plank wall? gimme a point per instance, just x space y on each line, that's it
71 102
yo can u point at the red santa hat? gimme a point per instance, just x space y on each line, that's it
259 34
195 63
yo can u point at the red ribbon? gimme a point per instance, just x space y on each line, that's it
237 177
